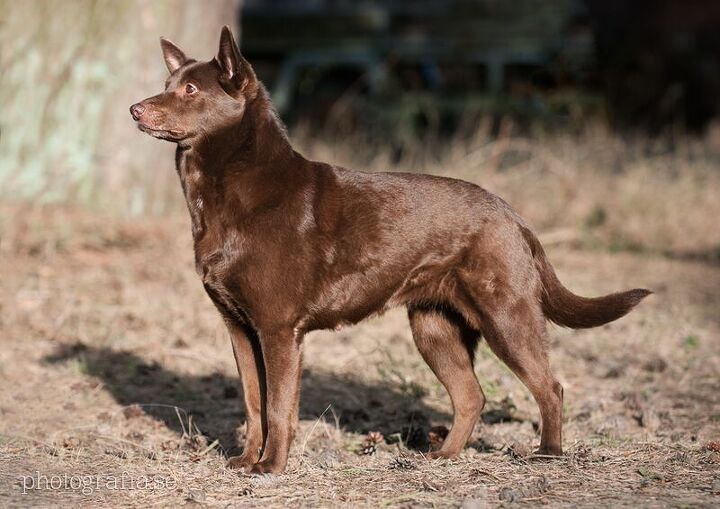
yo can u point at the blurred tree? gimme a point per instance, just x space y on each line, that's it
70 70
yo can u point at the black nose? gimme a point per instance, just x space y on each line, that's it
136 110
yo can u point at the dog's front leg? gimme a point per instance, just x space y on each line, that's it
282 355
248 357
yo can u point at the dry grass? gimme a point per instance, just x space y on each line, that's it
114 361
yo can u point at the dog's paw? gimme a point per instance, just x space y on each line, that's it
435 455
242 463
265 467
548 453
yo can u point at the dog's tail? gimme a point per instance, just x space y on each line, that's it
565 308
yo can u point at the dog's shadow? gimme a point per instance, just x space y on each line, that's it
215 402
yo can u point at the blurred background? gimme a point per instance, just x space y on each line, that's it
531 98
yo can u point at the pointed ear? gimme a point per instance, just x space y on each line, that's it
174 56
234 68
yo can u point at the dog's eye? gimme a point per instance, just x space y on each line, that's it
190 89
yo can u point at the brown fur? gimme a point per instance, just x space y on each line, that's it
285 246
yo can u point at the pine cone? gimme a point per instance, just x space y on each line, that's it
369 445
368 449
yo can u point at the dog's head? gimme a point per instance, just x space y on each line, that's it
199 97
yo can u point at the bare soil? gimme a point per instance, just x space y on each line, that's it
113 362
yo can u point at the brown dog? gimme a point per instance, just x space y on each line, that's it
285 246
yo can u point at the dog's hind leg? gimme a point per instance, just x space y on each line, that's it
447 344
517 335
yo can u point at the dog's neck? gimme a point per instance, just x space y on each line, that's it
241 167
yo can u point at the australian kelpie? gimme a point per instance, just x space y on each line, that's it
285 246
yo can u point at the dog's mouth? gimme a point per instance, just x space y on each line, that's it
163 134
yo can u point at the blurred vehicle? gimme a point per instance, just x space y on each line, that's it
406 68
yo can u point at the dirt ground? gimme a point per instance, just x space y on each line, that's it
115 365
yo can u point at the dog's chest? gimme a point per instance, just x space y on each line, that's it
213 246
218 262
192 183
